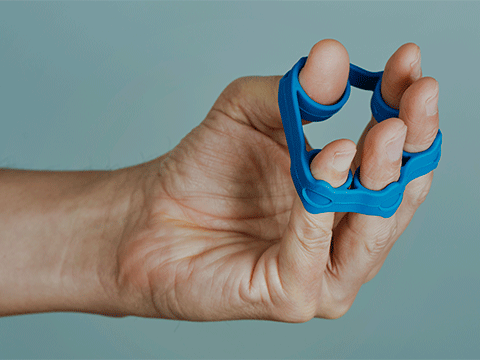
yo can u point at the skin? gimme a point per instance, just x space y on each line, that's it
214 230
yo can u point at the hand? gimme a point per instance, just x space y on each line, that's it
222 233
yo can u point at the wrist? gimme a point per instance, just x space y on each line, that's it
59 235
118 200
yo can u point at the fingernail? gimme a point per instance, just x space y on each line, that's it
416 68
343 160
431 105
395 146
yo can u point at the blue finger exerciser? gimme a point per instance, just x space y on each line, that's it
319 196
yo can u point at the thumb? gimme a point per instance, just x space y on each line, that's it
304 248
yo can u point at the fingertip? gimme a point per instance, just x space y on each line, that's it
401 70
422 90
416 64
419 108
382 154
385 130
333 163
325 74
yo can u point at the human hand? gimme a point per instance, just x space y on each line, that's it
222 233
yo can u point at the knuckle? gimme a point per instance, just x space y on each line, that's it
239 88
315 241
300 316
231 100
369 277
312 230
336 310
372 274
237 84
310 235
337 302
379 241
425 135
377 179
393 173
372 248
422 195
418 189
298 312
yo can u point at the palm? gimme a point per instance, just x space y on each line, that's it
229 194
229 177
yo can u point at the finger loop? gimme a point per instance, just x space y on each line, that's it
318 196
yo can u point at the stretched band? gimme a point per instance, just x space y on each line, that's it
319 196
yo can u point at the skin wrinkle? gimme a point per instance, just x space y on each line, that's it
251 115
219 221
237 283
207 195
243 289
140 217
265 281
390 173
268 284
250 283
215 246
335 280
152 287
277 263
336 292
387 178
396 85
274 132
177 311
424 145
380 262
412 143
231 281
132 279
247 228
277 134
248 197
198 211
401 225
259 168
152 275
228 217
350 232
220 113
221 261
420 189
224 133
233 104
321 239
332 269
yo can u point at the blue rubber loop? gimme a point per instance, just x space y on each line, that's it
319 196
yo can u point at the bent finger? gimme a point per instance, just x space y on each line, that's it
305 247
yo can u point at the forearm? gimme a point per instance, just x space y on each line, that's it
59 233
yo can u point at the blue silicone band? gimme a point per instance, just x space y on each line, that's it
319 196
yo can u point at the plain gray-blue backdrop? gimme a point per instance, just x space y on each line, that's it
88 85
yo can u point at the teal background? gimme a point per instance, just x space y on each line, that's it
108 85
